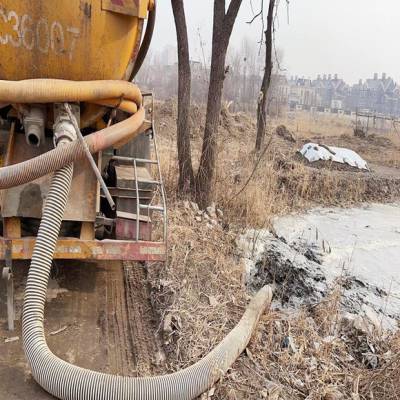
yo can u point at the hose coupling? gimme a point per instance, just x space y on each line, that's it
64 130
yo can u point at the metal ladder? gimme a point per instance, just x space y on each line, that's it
160 191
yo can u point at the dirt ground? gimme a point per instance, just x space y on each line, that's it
98 316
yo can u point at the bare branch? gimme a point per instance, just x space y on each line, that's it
274 37
255 17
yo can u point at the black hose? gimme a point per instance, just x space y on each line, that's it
144 47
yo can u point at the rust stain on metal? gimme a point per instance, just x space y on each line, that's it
86 9
75 249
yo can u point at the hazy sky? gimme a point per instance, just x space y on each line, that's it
353 38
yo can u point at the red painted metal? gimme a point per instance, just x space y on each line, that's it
125 229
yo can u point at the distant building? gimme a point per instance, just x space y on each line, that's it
279 90
380 95
331 92
169 55
301 93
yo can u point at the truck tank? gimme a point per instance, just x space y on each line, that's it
70 39
74 40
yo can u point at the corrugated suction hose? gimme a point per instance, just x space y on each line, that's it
59 378
68 382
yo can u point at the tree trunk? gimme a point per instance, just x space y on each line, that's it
222 30
186 176
263 96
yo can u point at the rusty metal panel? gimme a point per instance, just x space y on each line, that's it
126 178
26 201
92 250
3 145
125 229
126 184
11 228
5 156
126 225
134 8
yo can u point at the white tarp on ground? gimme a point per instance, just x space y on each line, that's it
314 152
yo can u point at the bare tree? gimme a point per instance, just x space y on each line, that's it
266 82
186 176
222 29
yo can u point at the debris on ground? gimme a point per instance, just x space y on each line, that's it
303 280
324 335
11 339
211 216
171 326
360 132
269 260
351 243
300 281
58 331
317 152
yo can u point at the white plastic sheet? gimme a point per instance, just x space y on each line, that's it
314 152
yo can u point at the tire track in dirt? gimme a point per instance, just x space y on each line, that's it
119 350
141 319
130 323
104 319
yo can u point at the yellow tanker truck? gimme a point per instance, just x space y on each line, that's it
79 57
80 176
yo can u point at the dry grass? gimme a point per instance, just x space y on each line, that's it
280 187
384 383
281 183
305 124
200 294
321 361
338 130
308 353
202 272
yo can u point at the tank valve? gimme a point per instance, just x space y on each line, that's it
34 125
